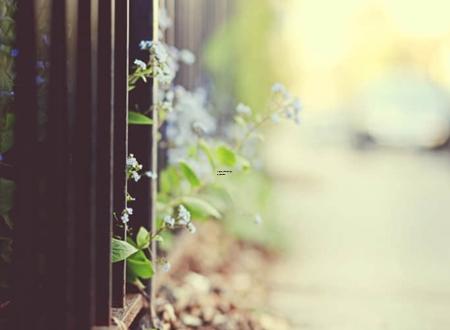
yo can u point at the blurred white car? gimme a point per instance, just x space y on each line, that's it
403 109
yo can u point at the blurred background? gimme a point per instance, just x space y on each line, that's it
362 187
357 197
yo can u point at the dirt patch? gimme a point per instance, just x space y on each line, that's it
219 283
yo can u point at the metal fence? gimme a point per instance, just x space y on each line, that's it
70 168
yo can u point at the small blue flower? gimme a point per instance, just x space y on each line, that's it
278 88
275 118
125 218
186 56
46 40
40 64
243 109
14 52
166 266
191 228
169 220
40 80
6 93
151 175
145 44
297 106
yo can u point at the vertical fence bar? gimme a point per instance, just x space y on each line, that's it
104 172
154 154
58 272
143 139
169 39
27 220
7 171
120 139
84 174
170 34
183 32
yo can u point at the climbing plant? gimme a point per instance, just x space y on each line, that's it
7 56
198 154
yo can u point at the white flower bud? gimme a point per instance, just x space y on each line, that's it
151 175
145 44
186 56
140 64
278 88
125 218
243 109
169 220
275 118
136 176
183 216
191 228
166 267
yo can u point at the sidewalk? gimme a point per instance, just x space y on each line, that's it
370 234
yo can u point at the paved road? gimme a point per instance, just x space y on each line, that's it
371 230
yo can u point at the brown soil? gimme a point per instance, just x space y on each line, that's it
219 283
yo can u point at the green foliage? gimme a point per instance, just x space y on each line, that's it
241 62
7 37
218 195
143 238
189 191
136 118
206 149
139 267
6 132
169 181
200 208
121 250
189 174
254 191
226 155
6 193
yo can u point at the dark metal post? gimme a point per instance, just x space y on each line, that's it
84 164
26 209
104 154
58 252
121 139
143 139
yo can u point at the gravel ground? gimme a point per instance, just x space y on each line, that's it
220 283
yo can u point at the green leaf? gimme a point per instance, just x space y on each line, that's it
240 121
219 197
6 195
189 174
7 220
192 151
225 155
6 132
121 250
207 151
142 238
200 209
136 118
139 266
244 162
169 180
